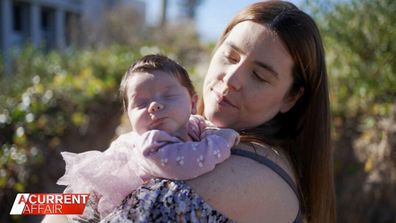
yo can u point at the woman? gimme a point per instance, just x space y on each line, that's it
267 80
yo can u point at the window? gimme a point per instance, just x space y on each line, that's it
17 17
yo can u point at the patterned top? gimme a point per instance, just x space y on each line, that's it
159 200
162 200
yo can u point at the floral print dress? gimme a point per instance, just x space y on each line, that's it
162 200
159 200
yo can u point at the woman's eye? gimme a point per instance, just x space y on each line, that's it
258 77
230 58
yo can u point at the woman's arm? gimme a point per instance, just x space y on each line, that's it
247 191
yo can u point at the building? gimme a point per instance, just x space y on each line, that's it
43 23
47 23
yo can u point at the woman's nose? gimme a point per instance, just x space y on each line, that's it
155 106
233 77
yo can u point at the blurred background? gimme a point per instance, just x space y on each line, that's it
62 60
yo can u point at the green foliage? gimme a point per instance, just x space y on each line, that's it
46 94
359 38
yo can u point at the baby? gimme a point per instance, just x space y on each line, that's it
166 141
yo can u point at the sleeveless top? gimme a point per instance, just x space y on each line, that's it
277 169
163 200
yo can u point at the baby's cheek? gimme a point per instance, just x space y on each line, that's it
138 121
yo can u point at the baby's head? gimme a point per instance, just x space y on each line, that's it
158 94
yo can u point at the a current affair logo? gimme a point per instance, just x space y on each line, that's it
41 204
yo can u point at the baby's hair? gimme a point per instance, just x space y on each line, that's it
151 63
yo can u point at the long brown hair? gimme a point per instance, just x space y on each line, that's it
304 131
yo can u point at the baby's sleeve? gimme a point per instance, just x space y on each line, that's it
167 157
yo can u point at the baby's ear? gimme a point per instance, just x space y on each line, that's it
194 102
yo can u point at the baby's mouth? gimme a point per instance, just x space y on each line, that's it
157 122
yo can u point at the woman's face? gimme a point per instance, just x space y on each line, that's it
248 79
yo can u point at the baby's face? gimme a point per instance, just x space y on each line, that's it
157 100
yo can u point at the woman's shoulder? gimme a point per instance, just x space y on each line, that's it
248 191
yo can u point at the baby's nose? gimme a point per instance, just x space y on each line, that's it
155 106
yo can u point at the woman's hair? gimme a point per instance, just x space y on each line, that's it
151 63
304 131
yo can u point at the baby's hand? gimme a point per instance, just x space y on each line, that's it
229 135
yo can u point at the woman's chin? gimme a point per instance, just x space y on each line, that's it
219 121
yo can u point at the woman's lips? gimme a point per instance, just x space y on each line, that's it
224 100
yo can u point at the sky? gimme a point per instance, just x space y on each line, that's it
212 15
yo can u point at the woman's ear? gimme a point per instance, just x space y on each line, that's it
291 100
194 102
